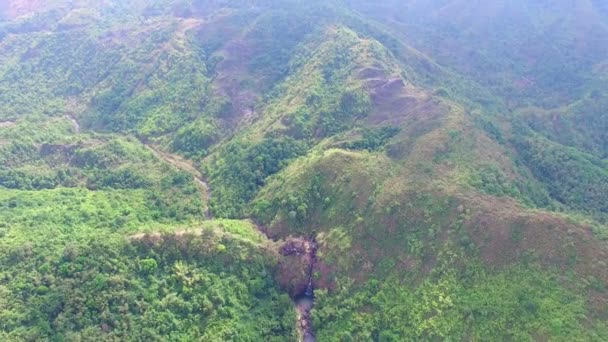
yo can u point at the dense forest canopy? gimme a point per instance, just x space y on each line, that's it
180 170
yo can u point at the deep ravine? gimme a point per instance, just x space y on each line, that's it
184 165
296 276
305 249
305 301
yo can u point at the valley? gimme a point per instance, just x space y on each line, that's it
186 166
305 250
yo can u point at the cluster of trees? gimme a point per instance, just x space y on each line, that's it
175 90
105 164
241 169
328 113
373 139
208 288
195 139
16 179
297 205
39 73
518 304
115 163
576 179
276 34
583 125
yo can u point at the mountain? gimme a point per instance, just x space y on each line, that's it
289 170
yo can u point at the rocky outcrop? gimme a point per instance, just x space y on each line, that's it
295 275
295 268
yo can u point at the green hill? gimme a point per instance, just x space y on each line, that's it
186 170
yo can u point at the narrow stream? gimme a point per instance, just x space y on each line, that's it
74 122
305 301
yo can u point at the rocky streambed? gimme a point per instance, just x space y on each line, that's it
296 275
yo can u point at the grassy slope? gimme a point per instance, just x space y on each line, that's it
373 237
412 218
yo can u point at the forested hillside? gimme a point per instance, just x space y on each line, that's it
178 170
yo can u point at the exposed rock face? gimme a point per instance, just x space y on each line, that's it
295 269
296 277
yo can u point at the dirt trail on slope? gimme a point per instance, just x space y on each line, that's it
173 159
186 166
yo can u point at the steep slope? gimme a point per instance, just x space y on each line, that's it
413 218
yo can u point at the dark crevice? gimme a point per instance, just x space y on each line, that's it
305 301
296 276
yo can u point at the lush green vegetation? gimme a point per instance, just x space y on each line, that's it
373 139
242 171
100 286
76 267
521 305
574 178
456 192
